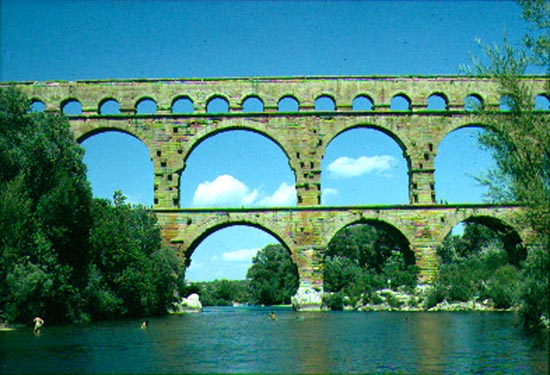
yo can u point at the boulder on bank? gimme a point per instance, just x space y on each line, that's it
191 304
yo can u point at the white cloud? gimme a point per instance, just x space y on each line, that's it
345 167
284 196
327 192
228 191
244 255
225 190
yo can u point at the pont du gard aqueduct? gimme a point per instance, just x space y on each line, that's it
302 133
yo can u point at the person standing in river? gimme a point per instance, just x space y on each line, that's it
38 323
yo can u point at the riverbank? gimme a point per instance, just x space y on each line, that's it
390 300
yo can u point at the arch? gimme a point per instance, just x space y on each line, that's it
458 160
510 237
120 161
182 104
437 102
288 103
207 230
473 103
146 106
400 102
217 104
392 230
362 102
37 105
368 166
506 102
227 173
542 102
109 106
253 103
71 107
325 103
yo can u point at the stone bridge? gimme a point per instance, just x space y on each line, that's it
321 109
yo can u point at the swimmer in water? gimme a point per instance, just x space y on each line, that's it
272 316
144 324
38 323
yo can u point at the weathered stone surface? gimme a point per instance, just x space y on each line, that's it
307 298
303 136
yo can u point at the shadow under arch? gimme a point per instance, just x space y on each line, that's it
400 238
510 237
204 231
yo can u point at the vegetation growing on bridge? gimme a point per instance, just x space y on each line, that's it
63 255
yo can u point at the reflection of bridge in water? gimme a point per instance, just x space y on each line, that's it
303 134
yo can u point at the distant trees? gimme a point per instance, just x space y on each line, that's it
63 255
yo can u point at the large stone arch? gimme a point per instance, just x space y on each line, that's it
385 223
206 134
400 140
512 236
203 231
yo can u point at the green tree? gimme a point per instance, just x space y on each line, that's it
132 274
44 213
273 277
522 148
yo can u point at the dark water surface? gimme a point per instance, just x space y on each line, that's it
244 340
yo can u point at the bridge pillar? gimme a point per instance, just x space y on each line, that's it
427 261
422 174
166 181
309 296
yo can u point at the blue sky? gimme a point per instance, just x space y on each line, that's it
71 40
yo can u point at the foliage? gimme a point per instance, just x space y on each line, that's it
130 267
63 255
476 266
522 148
361 259
44 213
220 292
273 277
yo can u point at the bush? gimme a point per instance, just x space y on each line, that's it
334 301
503 288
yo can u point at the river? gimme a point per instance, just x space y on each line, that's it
245 340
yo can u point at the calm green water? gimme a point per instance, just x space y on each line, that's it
244 340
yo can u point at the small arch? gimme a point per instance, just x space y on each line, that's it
506 102
182 104
325 103
288 103
146 106
37 105
109 107
217 104
253 104
473 103
71 107
437 102
362 103
400 102
542 102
